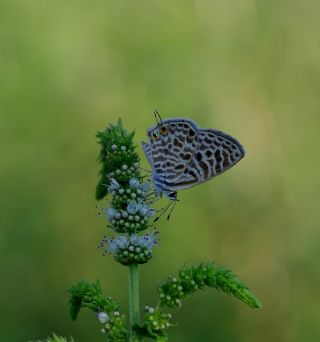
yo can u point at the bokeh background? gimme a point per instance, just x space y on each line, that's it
250 68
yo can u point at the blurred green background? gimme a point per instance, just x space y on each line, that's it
250 68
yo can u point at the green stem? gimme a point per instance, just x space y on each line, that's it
134 299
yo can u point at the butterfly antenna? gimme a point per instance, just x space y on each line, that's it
157 116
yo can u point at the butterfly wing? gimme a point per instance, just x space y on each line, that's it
147 151
171 153
216 153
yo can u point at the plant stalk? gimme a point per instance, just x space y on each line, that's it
134 308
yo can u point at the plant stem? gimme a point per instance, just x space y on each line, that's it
134 299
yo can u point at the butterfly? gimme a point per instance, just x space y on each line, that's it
182 155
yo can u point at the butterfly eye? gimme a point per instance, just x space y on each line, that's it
164 130
155 135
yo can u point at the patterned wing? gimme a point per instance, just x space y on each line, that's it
147 151
172 151
216 153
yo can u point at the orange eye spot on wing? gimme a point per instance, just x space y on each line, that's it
155 135
164 129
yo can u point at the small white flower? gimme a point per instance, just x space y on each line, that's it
123 148
144 209
114 185
149 240
122 242
134 239
111 212
145 186
133 207
134 183
112 246
103 317
113 147
124 214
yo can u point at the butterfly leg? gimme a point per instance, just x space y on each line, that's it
174 202
171 205
163 211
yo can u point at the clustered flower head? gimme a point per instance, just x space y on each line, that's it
129 211
135 249
117 158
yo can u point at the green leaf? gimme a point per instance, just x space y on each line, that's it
55 338
230 284
90 295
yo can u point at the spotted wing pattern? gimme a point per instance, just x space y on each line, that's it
173 152
147 151
216 153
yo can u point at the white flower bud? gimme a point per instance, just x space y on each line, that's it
103 317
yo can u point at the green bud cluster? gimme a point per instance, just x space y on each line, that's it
117 157
120 167
90 295
124 222
156 321
115 328
133 254
174 290
129 224
155 324
124 173
121 196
